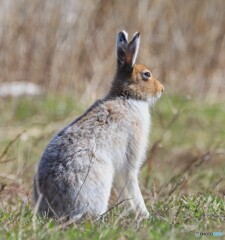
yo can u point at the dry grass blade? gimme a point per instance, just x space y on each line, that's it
114 206
179 178
152 152
5 151
214 185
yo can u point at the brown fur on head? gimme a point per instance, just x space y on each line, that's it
133 80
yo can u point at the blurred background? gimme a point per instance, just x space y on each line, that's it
67 49
69 46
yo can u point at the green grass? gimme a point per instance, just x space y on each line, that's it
178 217
182 180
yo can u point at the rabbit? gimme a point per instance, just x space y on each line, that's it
103 148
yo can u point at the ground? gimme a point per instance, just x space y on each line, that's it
182 180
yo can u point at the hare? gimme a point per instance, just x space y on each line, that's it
104 147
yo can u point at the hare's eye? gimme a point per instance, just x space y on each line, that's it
146 75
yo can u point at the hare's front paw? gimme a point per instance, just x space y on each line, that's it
144 214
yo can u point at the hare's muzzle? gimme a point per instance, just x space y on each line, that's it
159 88
162 88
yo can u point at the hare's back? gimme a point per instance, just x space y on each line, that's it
101 129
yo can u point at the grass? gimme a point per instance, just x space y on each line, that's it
182 180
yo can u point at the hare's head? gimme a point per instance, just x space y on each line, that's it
133 80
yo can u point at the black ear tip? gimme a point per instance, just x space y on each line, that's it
137 34
122 36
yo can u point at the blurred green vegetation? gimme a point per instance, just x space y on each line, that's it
196 122
40 110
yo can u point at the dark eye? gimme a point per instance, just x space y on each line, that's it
146 75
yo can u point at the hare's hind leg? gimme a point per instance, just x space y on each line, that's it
95 191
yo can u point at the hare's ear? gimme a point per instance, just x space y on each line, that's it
132 49
122 42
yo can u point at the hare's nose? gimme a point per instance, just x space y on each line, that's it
162 88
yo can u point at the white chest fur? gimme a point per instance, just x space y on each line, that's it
141 108
142 116
126 177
